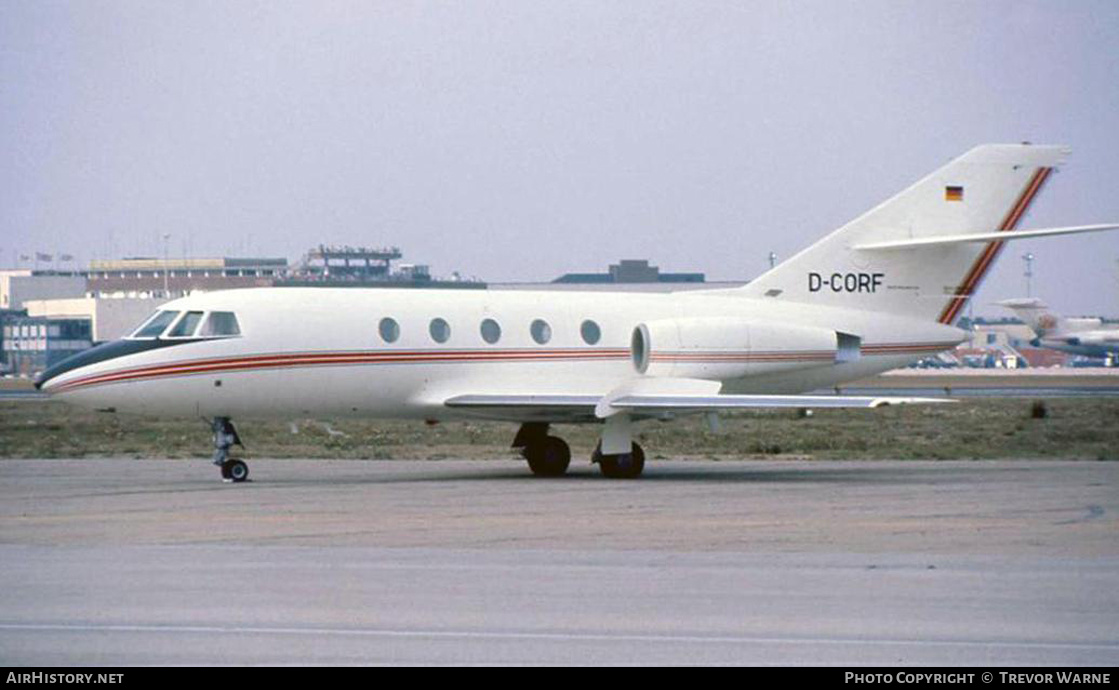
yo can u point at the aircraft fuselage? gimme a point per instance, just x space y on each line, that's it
321 351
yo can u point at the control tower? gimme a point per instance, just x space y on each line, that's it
348 264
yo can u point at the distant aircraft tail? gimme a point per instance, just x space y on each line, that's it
1035 314
1045 322
924 252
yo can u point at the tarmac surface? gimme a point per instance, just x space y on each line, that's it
988 563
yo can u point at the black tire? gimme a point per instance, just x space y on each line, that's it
548 458
626 466
235 470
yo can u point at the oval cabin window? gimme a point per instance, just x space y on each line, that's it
491 331
440 330
390 330
590 332
541 331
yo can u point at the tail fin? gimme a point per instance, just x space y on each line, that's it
988 189
1035 314
1045 322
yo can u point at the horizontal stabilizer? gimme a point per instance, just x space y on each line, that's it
1022 302
941 240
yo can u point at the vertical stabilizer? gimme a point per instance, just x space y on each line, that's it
988 189
1035 314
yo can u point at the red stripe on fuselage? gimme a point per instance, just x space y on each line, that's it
306 359
255 362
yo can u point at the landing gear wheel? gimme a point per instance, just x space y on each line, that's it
623 466
548 458
234 471
225 437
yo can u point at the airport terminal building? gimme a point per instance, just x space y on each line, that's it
31 344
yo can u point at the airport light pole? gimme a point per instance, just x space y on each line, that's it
772 259
1029 259
166 261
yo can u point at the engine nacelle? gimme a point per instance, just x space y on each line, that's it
722 348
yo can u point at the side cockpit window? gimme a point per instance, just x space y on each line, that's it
220 324
186 325
154 326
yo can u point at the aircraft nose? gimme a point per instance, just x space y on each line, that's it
94 355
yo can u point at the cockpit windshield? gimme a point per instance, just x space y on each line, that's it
193 325
155 325
186 325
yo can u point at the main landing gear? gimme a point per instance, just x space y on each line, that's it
225 437
547 456
621 466
550 456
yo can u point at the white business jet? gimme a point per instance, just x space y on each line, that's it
878 293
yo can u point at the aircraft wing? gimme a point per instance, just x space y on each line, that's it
700 403
641 406
528 408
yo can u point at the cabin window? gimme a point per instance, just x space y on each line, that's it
440 330
591 332
541 331
220 323
491 331
186 325
390 330
155 325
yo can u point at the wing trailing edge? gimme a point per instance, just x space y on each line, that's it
655 397
698 403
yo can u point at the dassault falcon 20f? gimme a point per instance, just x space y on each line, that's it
876 294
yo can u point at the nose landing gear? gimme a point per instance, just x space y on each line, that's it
234 471
225 437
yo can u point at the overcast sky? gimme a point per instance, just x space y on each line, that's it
521 140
